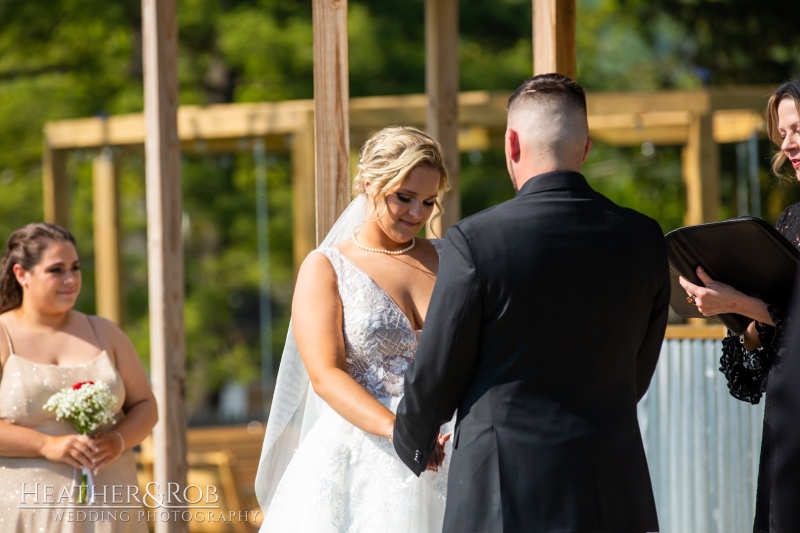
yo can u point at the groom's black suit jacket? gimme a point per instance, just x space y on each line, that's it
544 329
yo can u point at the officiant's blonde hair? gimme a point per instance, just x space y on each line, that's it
389 156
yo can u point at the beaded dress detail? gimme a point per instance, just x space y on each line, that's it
342 479
39 495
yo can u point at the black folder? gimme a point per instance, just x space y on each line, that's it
745 252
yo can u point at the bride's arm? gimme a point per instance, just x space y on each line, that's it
317 324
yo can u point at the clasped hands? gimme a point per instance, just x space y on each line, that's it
437 457
81 451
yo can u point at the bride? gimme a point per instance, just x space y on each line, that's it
328 464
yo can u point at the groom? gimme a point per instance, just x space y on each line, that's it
543 332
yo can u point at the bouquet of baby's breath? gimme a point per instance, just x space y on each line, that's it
87 406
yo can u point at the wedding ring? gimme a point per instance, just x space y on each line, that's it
690 299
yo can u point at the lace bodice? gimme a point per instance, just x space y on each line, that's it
379 340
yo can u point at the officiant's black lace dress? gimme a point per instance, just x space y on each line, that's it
750 374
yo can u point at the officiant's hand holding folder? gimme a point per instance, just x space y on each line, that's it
746 253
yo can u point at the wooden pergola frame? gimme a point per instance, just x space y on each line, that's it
697 120
320 150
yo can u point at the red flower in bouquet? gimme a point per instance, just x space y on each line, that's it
81 384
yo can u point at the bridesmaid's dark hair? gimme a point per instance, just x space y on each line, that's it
25 248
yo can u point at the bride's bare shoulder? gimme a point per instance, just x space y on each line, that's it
316 264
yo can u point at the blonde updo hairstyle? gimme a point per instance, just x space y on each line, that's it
389 156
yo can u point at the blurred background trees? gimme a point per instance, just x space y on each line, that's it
64 59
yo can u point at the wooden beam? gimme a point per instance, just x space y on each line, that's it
441 85
704 329
221 127
331 121
638 121
195 125
304 229
55 186
701 172
665 123
737 125
164 244
656 135
554 37
638 103
743 97
672 127
475 108
105 195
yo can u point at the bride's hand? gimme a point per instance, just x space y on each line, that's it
437 458
75 450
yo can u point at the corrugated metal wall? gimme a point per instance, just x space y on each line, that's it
702 444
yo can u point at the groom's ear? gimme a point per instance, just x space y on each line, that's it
586 149
512 145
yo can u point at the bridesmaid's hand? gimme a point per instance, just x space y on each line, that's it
75 450
109 446
437 458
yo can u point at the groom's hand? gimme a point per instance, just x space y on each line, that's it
437 457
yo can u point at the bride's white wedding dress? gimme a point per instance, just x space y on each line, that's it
342 479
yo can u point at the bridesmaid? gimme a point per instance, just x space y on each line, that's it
46 345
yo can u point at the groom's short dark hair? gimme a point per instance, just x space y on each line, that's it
549 87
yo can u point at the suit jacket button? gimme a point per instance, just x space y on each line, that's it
418 456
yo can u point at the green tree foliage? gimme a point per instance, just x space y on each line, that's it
63 59
727 41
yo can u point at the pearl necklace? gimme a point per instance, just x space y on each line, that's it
383 250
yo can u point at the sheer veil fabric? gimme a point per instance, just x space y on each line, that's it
295 405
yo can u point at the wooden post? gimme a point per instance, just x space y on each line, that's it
164 245
331 112
55 186
441 80
554 37
304 228
105 195
701 172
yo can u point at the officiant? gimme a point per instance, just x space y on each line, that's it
751 361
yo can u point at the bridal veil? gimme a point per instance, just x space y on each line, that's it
295 406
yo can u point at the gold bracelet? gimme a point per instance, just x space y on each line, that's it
390 436
121 438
